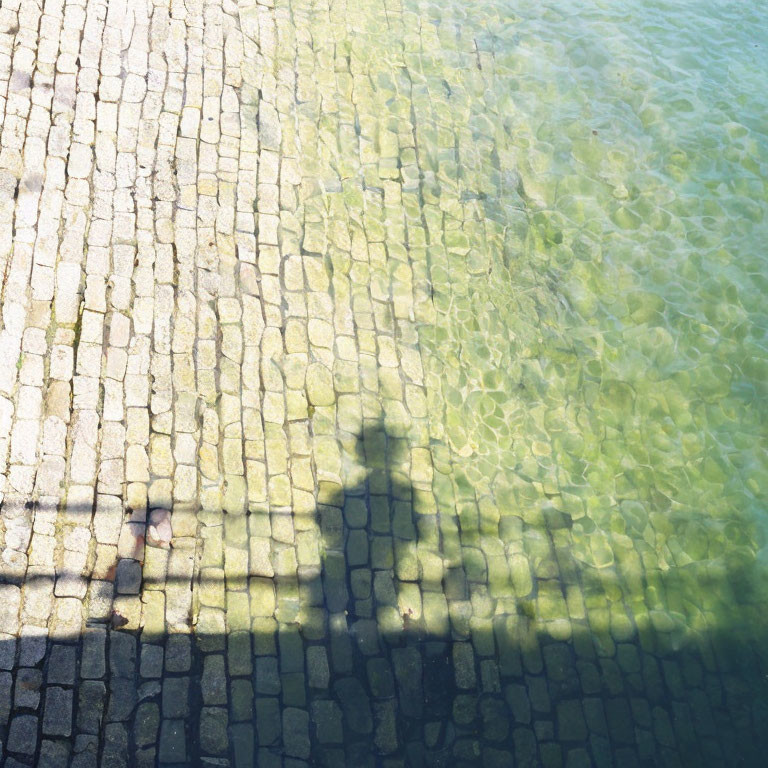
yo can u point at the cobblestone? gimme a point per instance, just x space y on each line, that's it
244 518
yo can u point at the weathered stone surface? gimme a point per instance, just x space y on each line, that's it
342 418
57 712
22 736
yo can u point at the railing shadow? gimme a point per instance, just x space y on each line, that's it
389 651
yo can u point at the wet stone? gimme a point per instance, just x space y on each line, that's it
589 677
294 689
438 680
641 712
646 746
380 678
611 677
269 758
213 730
146 758
241 740
464 665
628 658
562 678
175 697
601 750
464 709
594 713
496 758
241 700
317 667
327 721
436 613
357 548
341 651
267 675
551 755
355 705
495 720
627 757
538 693
578 758
544 730
408 674
468 750
570 721
268 721
381 553
489 676
296 732
146 724
355 512
385 727
518 702
620 723
172 748
456 584
360 582
366 635
239 654
291 651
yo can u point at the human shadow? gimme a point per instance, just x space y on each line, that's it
391 650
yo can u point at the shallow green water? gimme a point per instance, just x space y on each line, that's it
599 343
569 202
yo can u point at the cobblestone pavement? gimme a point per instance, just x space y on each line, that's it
244 521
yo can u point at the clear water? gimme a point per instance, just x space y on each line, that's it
598 351
584 199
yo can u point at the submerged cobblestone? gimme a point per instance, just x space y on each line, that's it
289 473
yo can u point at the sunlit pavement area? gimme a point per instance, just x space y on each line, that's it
305 460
